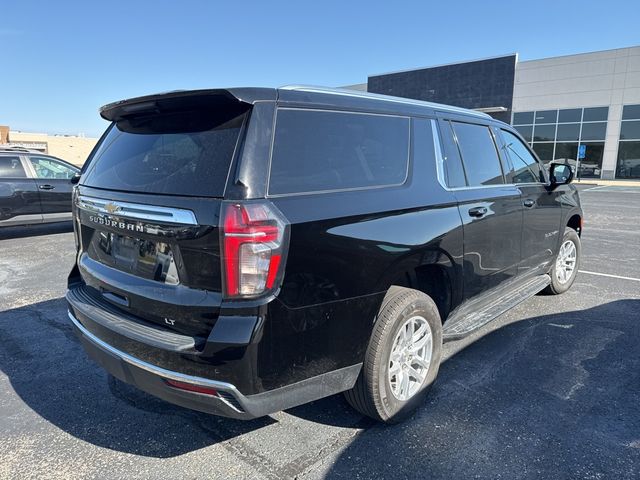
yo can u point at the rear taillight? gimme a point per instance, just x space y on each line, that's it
253 238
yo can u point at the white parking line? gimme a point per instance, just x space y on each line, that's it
594 188
609 275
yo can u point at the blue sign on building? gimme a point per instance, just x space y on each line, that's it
582 150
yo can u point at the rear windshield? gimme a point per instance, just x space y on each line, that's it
315 151
176 153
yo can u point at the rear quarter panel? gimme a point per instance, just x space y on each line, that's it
346 250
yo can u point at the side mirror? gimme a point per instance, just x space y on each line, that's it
560 174
75 179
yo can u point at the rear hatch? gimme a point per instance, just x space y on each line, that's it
147 209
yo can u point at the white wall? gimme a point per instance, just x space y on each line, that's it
609 78
70 148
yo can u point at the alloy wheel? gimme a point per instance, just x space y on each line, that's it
566 261
410 358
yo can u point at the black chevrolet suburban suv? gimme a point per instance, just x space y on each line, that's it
34 187
242 251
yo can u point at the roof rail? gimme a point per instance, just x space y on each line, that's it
16 149
385 98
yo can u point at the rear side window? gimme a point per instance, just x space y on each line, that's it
10 167
179 153
479 154
315 151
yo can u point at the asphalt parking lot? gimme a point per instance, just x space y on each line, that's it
552 390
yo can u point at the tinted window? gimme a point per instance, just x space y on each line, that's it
526 167
522 118
596 114
319 150
546 116
594 131
628 160
631 112
566 151
479 154
568 132
544 133
591 164
178 153
50 168
544 151
10 167
571 115
454 172
526 131
630 130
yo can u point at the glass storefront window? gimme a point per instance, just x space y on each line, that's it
631 112
571 115
628 160
591 164
544 133
544 151
630 130
594 131
566 151
568 132
596 114
523 118
526 131
546 116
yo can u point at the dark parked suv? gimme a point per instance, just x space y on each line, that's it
34 187
243 251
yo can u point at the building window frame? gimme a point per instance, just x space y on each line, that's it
555 140
626 141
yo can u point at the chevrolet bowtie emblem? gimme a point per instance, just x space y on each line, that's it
112 207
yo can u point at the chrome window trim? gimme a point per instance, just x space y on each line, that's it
336 190
137 211
440 168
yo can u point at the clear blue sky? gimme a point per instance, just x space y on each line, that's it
60 61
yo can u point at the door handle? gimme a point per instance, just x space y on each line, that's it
529 203
477 211
46 187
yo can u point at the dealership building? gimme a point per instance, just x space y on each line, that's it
582 109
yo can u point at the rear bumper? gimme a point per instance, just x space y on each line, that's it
228 401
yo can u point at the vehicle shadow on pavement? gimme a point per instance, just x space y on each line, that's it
550 396
50 372
25 231
554 396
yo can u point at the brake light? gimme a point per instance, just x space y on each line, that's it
253 241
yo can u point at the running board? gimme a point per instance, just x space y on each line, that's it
464 323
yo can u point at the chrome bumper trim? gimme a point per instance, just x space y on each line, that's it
227 387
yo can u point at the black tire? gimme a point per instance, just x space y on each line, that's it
556 287
372 393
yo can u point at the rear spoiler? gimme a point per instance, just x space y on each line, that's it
185 100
